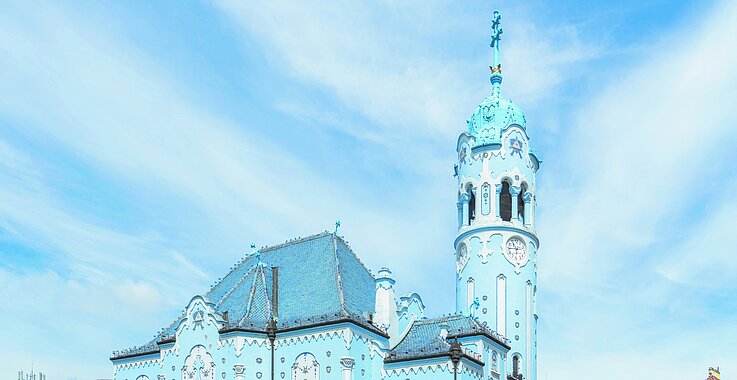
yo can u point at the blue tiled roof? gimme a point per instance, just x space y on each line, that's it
320 280
423 338
356 283
320 268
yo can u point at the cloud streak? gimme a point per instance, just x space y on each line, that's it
135 195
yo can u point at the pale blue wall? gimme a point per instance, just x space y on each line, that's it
327 343
486 237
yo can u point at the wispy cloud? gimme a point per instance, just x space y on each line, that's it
637 202
621 193
382 60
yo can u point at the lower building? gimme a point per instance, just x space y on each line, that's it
312 310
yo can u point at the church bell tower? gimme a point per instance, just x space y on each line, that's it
496 246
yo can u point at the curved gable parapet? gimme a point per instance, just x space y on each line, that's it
411 301
200 313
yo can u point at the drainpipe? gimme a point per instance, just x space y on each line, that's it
271 326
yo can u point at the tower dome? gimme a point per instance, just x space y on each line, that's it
492 117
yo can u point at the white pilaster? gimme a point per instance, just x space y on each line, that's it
347 363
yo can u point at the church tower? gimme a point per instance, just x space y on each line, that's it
496 246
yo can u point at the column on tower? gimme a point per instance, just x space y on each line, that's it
528 327
465 198
527 197
497 199
514 192
460 213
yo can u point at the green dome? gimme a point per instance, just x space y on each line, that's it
494 115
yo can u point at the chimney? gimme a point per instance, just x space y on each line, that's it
275 293
386 307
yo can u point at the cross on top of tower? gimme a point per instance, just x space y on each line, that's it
497 29
496 67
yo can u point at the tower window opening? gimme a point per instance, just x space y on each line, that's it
505 202
471 205
515 366
521 204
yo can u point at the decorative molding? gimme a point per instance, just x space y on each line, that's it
347 362
240 371
527 197
497 228
347 334
240 342
465 197
137 364
446 366
306 367
462 257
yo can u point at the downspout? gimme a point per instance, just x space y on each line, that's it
271 326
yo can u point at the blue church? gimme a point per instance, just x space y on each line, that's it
309 309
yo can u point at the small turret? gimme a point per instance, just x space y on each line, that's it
386 306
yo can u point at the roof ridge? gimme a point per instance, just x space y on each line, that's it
237 284
250 297
241 262
354 255
443 318
292 241
409 330
269 307
337 274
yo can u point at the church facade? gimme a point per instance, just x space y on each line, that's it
309 309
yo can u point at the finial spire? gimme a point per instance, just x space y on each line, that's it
256 252
337 224
496 67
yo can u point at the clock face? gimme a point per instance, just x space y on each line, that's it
516 250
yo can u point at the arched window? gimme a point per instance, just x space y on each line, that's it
470 293
505 202
471 204
515 366
198 365
521 203
306 367
501 304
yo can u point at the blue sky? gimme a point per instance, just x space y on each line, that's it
145 145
